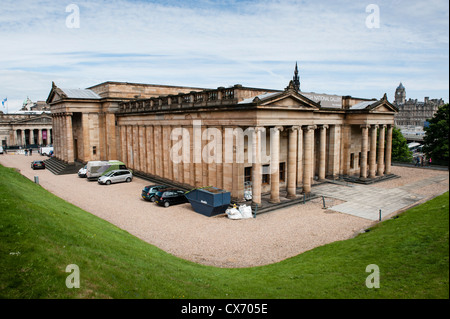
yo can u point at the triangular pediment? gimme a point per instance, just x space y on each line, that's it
290 100
380 106
383 106
55 94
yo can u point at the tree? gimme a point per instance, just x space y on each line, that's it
400 150
436 136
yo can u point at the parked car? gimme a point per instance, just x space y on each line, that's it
82 171
116 176
149 192
37 164
170 196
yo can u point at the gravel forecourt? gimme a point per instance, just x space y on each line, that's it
216 241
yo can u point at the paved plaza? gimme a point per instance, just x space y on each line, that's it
367 201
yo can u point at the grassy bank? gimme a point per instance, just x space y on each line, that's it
41 234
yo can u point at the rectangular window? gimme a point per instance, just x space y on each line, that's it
352 160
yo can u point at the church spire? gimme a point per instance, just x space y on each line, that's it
296 78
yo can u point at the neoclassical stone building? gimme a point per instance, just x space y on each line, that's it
32 125
413 113
280 139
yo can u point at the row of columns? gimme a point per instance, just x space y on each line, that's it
381 165
300 159
20 138
138 142
148 149
63 137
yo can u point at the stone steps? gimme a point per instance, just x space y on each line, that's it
269 207
59 167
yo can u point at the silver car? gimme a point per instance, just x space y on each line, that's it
116 176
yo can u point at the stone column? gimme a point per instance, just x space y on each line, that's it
123 143
334 148
17 138
142 149
256 166
364 147
63 139
307 167
381 136
129 144
86 137
110 131
275 164
150 150
31 136
373 151
157 150
59 134
54 127
24 142
322 151
40 136
300 157
136 155
292 163
70 152
238 167
387 169
197 156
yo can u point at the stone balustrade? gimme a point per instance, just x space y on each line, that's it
221 96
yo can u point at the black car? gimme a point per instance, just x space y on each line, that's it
149 192
170 196
37 164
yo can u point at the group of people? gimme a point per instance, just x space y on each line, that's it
30 151
421 160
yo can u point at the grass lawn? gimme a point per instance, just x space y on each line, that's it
41 234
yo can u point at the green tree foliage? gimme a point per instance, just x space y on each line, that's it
436 136
400 150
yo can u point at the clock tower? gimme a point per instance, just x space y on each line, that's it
400 94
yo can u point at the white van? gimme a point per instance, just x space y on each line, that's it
1 149
95 169
46 150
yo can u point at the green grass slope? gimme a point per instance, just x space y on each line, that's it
40 234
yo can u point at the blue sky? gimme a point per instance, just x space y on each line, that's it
222 43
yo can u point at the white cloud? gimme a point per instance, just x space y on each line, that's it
215 43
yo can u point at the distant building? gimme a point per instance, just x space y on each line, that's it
412 113
31 125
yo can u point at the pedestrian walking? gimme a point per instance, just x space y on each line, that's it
26 152
31 151
429 162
